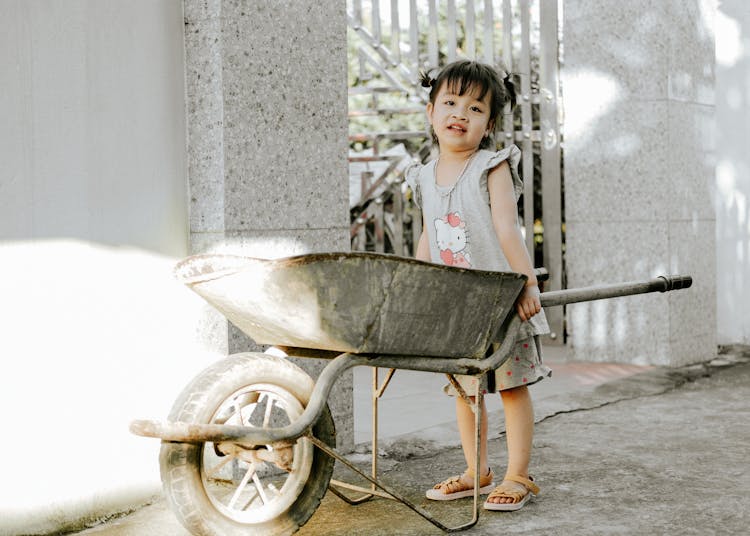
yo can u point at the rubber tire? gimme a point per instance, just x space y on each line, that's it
180 462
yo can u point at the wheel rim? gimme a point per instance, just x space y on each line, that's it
254 491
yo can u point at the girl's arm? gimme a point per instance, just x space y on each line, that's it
505 221
422 253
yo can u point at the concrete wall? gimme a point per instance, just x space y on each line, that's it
640 150
267 124
733 171
93 215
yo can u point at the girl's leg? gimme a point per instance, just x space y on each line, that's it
519 433
465 419
465 481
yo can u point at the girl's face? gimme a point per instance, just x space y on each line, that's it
459 121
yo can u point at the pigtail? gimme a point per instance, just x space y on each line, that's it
426 79
510 89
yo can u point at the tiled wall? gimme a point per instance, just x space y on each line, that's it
638 91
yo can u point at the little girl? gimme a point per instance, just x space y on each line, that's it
469 200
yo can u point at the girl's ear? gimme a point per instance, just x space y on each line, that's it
429 112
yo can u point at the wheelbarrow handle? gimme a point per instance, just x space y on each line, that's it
658 284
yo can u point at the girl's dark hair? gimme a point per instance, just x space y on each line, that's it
464 75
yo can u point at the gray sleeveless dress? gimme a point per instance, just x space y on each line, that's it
458 223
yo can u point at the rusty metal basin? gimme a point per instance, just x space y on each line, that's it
357 302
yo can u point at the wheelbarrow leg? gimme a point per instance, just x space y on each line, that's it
377 392
478 407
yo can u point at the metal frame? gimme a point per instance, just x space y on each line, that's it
191 432
549 127
535 24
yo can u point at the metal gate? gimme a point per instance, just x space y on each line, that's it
390 41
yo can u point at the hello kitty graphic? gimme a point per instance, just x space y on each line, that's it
452 239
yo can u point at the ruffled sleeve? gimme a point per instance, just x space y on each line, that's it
491 160
411 175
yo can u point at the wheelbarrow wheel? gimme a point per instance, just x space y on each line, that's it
223 489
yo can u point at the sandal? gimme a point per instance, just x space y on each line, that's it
511 492
455 488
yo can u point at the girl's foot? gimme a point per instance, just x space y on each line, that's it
458 487
512 494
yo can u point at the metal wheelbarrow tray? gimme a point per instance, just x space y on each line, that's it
249 444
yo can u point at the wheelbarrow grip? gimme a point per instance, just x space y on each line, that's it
676 282
662 283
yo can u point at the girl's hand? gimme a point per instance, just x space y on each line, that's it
528 303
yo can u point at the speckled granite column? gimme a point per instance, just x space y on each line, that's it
267 130
639 165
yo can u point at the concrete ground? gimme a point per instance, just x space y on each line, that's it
617 450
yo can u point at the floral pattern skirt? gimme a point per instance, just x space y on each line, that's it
523 367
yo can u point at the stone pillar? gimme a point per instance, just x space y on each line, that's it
638 93
267 140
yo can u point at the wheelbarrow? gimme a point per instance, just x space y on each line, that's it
249 445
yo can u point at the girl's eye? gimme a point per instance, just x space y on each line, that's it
449 102
476 109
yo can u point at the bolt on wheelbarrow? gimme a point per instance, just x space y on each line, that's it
249 445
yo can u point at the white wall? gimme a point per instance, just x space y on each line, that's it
733 171
93 214
92 144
